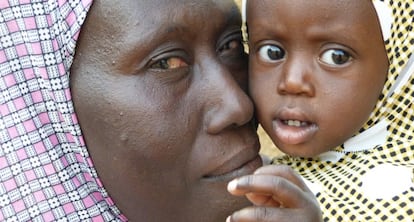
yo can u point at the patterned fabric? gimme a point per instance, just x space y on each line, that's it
370 177
46 173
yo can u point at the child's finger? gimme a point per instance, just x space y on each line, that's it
285 172
278 188
275 170
271 214
262 200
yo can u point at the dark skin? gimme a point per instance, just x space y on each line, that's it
311 64
161 99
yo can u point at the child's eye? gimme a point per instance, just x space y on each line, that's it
271 53
169 63
335 57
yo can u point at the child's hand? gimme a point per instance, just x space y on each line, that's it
278 194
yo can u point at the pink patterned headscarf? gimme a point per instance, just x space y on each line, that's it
46 173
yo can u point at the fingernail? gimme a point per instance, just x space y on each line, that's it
232 185
228 219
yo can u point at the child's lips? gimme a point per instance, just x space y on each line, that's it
294 132
293 127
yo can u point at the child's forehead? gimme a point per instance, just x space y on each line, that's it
384 12
326 5
315 11
320 12
248 5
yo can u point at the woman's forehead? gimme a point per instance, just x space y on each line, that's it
162 8
147 20
160 14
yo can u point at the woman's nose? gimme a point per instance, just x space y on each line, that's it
296 78
229 105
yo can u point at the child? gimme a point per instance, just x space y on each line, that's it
317 74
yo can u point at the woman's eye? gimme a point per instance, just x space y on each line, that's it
169 63
271 53
335 57
232 47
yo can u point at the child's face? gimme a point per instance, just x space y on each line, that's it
317 69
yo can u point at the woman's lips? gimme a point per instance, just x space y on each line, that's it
232 170
293 131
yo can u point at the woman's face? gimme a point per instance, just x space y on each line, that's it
159 90
317 69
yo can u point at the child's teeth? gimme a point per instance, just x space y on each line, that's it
296 123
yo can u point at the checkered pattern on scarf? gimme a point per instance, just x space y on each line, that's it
46 173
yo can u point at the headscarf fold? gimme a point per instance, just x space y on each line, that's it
46 173
370 176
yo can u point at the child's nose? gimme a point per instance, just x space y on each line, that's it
297 77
